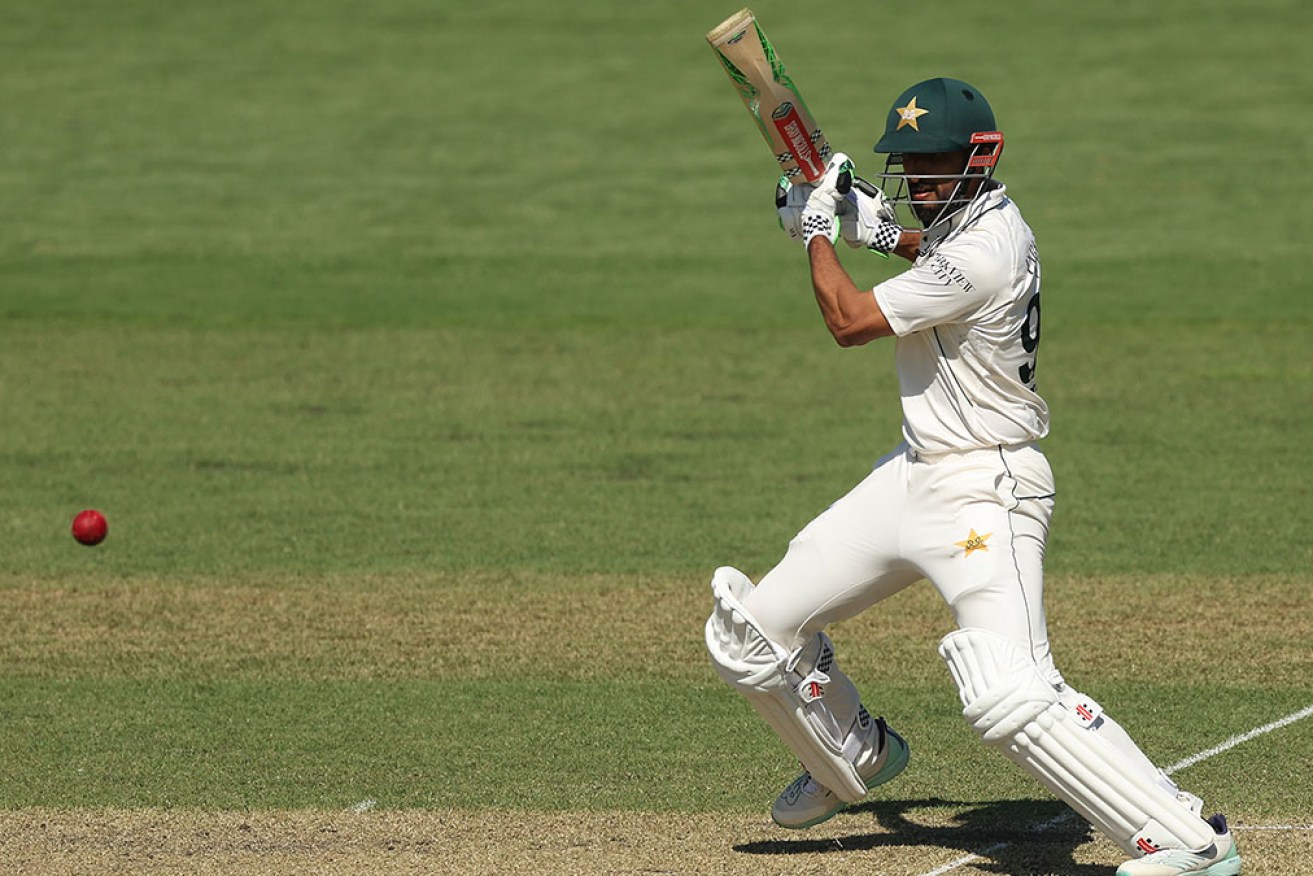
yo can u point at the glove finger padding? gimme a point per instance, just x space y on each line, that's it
819 216
790 200
834 186
873 201
867 219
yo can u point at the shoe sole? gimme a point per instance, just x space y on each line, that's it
895 764
1228 866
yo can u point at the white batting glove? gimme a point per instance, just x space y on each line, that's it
867 219
819 217
789 203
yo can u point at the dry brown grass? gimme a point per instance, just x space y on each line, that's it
471 625
40 842
365 628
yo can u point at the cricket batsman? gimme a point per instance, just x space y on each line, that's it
964 501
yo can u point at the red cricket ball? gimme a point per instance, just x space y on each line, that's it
90 527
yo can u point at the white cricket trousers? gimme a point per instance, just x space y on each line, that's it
974 523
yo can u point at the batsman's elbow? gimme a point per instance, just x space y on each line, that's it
845 336
854 333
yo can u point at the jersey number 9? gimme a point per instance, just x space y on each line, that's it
1030 342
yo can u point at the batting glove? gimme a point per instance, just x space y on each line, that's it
789 203
819 216
867 219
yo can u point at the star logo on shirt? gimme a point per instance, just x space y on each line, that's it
974 542
907 115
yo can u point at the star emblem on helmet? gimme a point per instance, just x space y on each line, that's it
907 115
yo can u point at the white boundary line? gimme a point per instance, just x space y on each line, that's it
1190 761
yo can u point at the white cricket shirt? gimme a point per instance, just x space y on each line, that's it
967 320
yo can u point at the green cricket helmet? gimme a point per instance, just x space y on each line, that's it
938 116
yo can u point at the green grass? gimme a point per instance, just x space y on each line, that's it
332 293
527 744
244 449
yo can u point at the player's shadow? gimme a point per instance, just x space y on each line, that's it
1013 837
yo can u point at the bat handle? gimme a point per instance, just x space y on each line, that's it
866 188
844 182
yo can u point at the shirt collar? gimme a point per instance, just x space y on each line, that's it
994 195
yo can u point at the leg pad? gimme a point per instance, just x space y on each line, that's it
1015 709
786 689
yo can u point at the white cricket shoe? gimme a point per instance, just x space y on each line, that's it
1219 859
806 802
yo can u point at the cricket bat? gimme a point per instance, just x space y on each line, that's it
770 95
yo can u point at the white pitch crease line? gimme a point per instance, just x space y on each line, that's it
1190 761
964 860
1241 738
967 859
363 806
1286 828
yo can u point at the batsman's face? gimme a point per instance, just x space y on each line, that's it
931 181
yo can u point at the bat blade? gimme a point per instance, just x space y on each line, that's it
782 116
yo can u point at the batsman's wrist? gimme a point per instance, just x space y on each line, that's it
883 238
819 225
808 244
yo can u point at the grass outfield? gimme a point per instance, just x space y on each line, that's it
234 728
202 712
427 359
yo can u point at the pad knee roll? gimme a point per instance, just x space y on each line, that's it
1007 700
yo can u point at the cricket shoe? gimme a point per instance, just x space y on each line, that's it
806 802
1219 859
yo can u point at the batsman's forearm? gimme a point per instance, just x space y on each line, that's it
851 314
